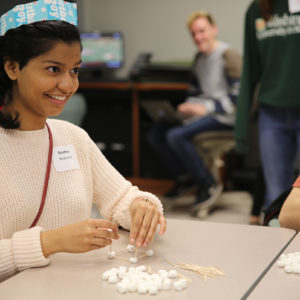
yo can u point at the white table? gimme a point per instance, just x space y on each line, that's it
243 252
277 284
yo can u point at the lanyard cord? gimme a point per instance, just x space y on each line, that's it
46 177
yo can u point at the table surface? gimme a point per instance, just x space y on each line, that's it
243 252
277 284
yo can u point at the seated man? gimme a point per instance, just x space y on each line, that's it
290 210
211 104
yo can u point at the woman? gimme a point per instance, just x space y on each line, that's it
289 212
38 75
272 40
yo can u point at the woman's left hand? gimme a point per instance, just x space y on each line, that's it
144 219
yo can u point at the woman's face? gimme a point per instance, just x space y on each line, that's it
45 84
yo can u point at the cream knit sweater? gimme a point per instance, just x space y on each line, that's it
23 159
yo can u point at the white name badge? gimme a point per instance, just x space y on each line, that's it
65 158
294 6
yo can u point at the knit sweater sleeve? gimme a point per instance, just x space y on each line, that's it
113 194
21 252
250 78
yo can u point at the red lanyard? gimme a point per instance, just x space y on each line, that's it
46 177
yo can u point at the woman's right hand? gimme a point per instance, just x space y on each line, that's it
80 237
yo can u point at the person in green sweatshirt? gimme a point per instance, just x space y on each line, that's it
271 62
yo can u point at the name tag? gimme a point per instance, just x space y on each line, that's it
294 6
65 158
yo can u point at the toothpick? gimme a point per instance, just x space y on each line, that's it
220 271
141 256
170 263
121 251
185 277
123 258
136 251
202 272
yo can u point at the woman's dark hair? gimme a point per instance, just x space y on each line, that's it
266 8
23 43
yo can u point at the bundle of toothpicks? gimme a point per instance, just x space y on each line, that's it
202 272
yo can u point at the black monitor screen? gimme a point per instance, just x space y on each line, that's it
102 49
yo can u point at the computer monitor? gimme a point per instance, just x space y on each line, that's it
102 50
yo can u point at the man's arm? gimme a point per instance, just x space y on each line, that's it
233 66
223 105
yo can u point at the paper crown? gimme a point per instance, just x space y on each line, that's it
41 10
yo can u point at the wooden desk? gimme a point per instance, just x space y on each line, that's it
242 251
277 284
136 88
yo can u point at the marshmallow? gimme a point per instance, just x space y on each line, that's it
288 268
106 275
133 260
141 268
290 262
280 263
130 248
162 273
122 288
132 287
113 278
111 254
183 282
149 252
177 285
173 274
167 284
136 279
122 268
142 289
153 290
114 270
180 284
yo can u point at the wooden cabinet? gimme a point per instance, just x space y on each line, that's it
115 107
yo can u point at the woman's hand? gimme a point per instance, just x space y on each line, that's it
80 237
144 219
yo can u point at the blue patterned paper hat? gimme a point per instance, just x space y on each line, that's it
41 10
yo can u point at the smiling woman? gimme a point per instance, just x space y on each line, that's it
53 78
49 63
51 171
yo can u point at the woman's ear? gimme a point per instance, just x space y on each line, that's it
11 68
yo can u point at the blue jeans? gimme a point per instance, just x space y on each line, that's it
279 139
175 147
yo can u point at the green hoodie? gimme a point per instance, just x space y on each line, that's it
271 58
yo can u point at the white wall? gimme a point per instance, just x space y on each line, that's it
158 26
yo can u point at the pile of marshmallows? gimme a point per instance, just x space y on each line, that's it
290 262
138 280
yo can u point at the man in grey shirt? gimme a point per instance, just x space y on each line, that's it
210 104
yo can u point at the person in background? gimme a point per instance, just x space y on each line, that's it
289 213
51 170
209 106
271 63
